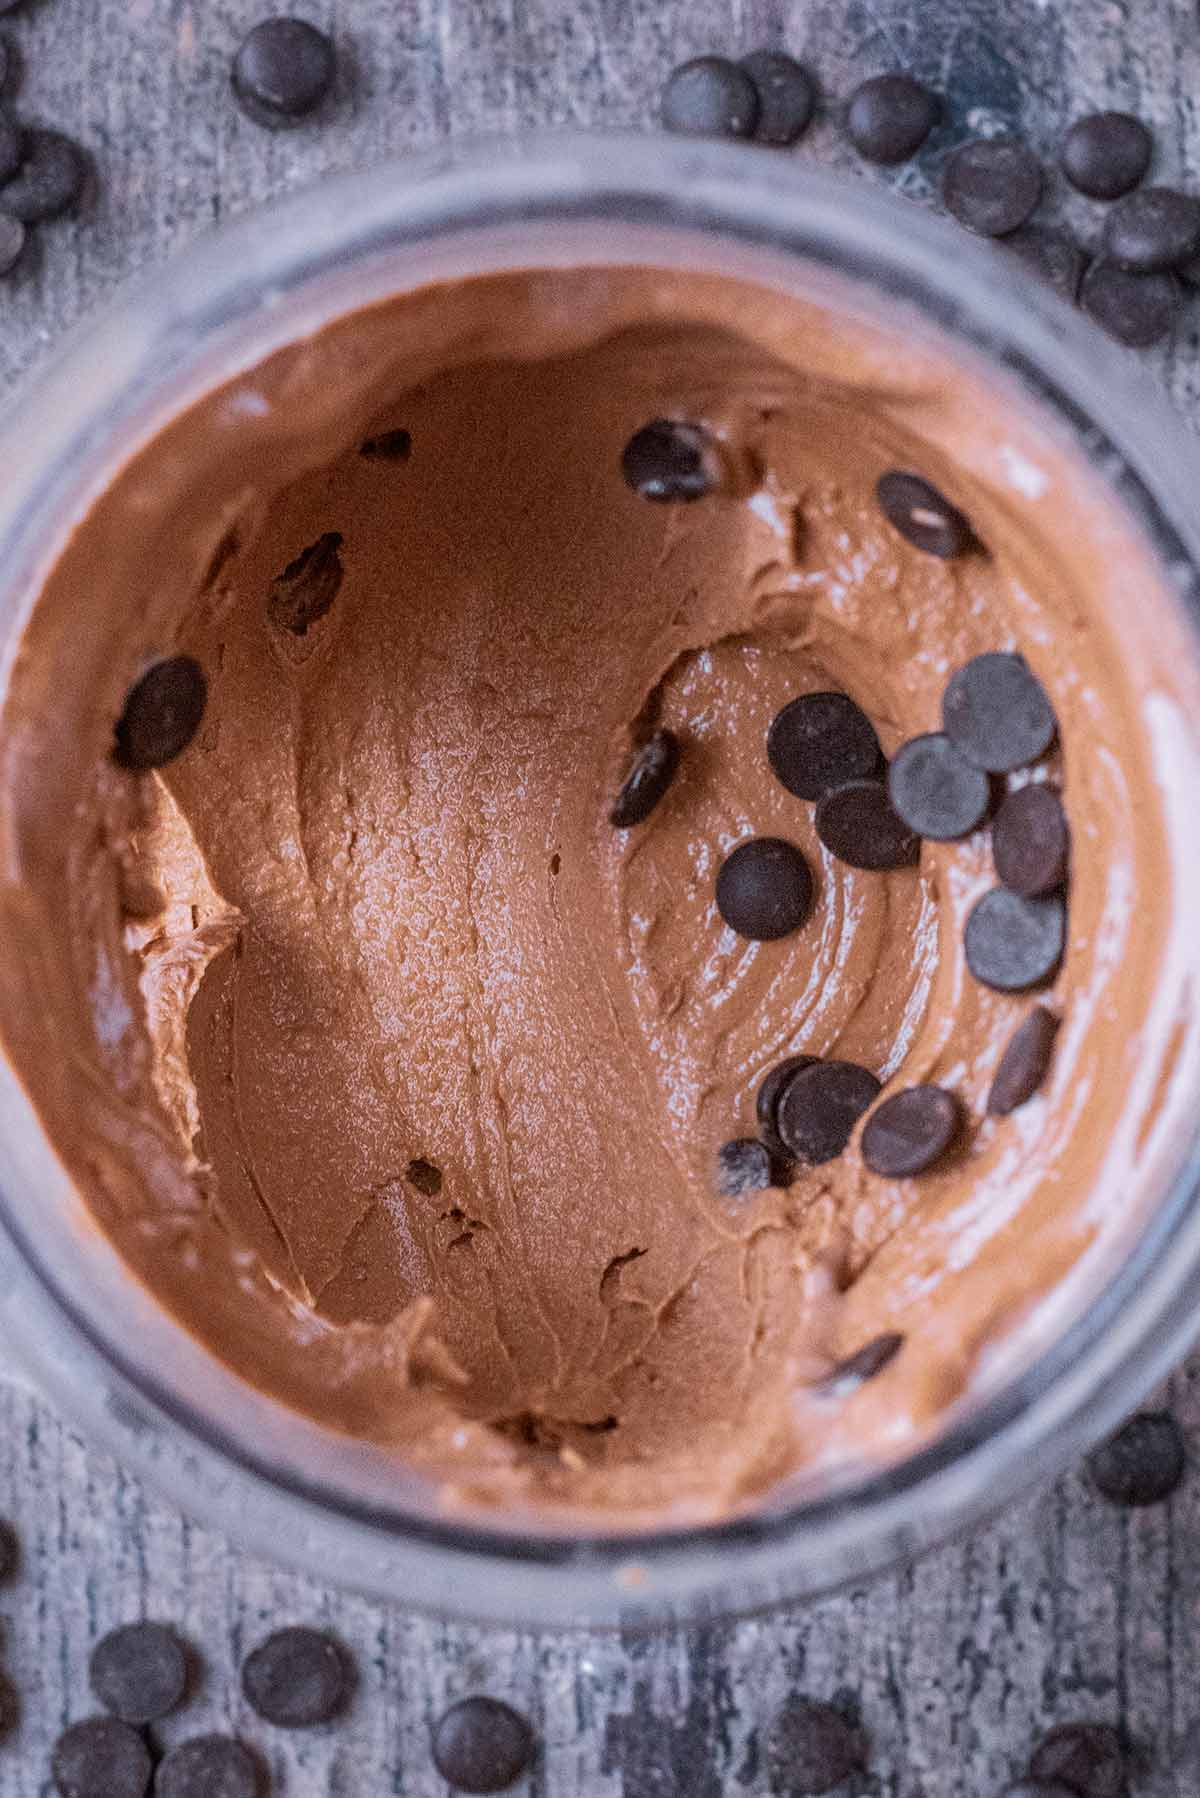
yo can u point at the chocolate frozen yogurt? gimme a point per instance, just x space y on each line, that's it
596 883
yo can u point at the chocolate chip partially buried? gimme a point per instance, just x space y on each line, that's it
910 1131
162 714
1154 229
49 180
296 1678
857 824
765 889
1143 1463
787 96
992 185
822 740
671 462
863 1365
648 779
889 117
12 145
101 1758
1013 943
1031 841
820 1106
935 790
766 1104
922 515
1138 310
389 446
208 1767
1085 1757
1054 255
283 72
139 1672
812 1748
710 97
996 713
1024 1063
743 1165
305 591
1106 154
482 1745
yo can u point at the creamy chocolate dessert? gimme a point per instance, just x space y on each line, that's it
477 996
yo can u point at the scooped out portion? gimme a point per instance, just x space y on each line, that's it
506 926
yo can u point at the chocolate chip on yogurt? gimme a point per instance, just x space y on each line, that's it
10 1552
889 117
1106 154
914 507
858 824
1143 1463
787 96
139 1672
49 180
1014 943
863 1365
482 1745
710 97
766 1103
1024 1063
992 185
765 889
819 1107
283 72
743 1166
911 1131
935 790
813 1748
1087 1758
305 591
1151 230
1052 254
12 145
822 740
162 714
996 713
101 1758
208 1767
296 1678
388 446
1138 310
1031 841
647 781
671 462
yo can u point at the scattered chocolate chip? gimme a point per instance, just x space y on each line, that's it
389 446
295 1678
820 1106
1106 154
208 1767
101 1758
935 790
1024 1063
1087 1758
49 180
1143 1463
671 462
812 1748
482 1745
10 1552
308 586
1151 230
766 1104
1138 310
1031 841
765 889
996 713
922 515
12 143
863 1365
743 1165
139 1672
856 823
1014 943
424 1176
12 243
710 97
787 96
910 1131
889 117
162 714
992 185
646 783
822 740
283 72
1052 254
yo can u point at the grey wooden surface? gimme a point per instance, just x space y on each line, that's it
1063 1607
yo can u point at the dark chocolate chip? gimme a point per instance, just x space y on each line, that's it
996 713
710 97
12 144
1143 1463
1138 310
646 783
49 180
766 1104
101 1758
1052 254
822 740
743 1165
765 889
139 1672
162 714
856 823
389 446
283 72
1031 841
10 1707
10 5
295 1678
787 96
889 117
425 1176
1014 943
12 242
1106 154
812 1748
671 462
910 1131
820 1106
308 586
863 1365
482 1745
208 1767
935 790
1024 1063
10 1552
992 185
922 515
1085 1757
1151 230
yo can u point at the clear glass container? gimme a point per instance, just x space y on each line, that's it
96 1342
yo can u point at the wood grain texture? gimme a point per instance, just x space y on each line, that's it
1063 1608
